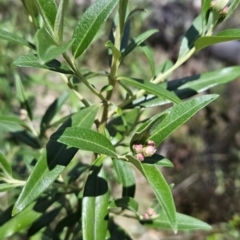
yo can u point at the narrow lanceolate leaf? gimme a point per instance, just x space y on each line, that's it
224 36
52 110
192 34
95 205
150 58
151 88
54 158
11 123
21 95
159 160
5 165
90 23
200 83
21 221
85 139
12 37
33 61
160 188
125 203
6 186
178 115
59 21
125 177
137 41
144 131
47 48
184 222
48 11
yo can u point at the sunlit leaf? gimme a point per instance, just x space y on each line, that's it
137 41
12 37
5 165
59 21
184 222
48 11
125 203
85 139
178 115
125 177
95 204
53 159
160 188
33 61
151 88
47 48
90 23
224 36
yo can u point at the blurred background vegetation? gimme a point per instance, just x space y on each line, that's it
205 151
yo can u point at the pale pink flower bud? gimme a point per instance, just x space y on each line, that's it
151 143
151 212
145 216
148 151
137 148
140 156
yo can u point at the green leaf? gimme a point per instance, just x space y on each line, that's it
125 203
95 204
158 160
200 83
147 51
33 61
125 177
85 139
52 110
21 221
12 37
144 131
11 123
22 96
59 21
6 186
90 23
45 220
5 165
232 7
192 34
116 231
151 88
224 36
164 67
122 11
137 41
27 138
184 222
47 48
53 159
160 188
178 115
48 11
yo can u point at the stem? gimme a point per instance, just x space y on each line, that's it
82 78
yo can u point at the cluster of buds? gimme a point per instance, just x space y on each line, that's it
149 214
142 151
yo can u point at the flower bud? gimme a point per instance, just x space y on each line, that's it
139 156
151 212
145 216
151 143
148 151
137 148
